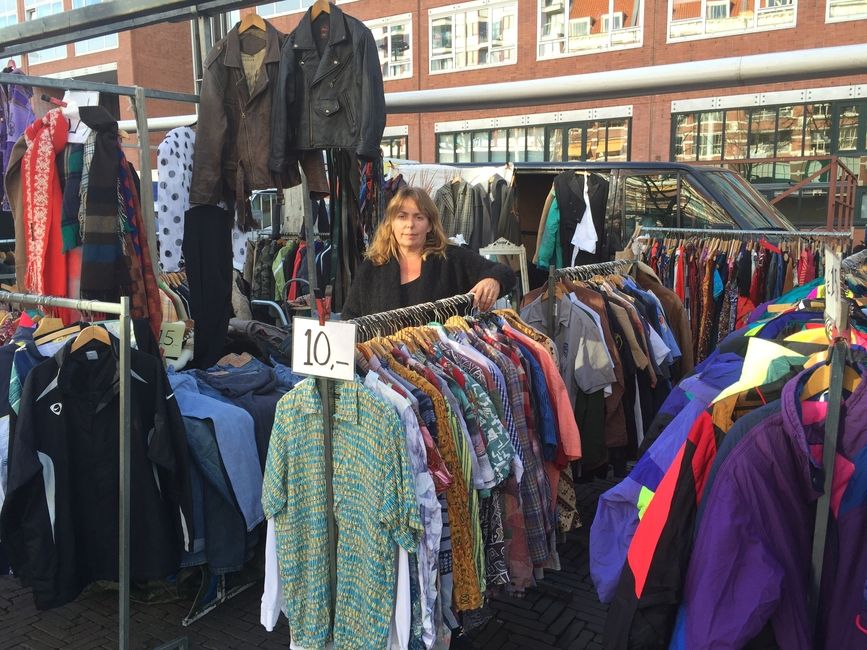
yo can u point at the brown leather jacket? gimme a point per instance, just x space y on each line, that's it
234 131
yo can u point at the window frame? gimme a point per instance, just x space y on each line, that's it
756 19
844 18
603 41
78 4
34 6
388 22
452 12
6 14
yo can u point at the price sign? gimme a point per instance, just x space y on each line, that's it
323 350
835 309
172 339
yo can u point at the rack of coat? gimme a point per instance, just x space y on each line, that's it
228 413
448 451
620 338
703 545
16 114
572 225
276 262
63 524
723 275
481 212
78 216
316 89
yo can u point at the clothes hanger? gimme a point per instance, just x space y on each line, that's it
47 325
320 6
91 333
251 20
820 381
56 335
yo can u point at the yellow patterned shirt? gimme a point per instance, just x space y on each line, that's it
375 509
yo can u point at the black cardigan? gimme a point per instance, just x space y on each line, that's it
377 288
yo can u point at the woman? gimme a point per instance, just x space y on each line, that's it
410 261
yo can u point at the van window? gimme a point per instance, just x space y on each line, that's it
649 200
697 210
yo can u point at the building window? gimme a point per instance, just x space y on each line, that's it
611 22
283 7
8 13
707 18
568 27
717 9
107 42
473 35
35 9
394 41
395 147
597 140
787 133
839 10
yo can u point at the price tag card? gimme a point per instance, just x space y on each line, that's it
172 339
323 350
836 312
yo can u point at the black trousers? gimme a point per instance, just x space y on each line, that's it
207 251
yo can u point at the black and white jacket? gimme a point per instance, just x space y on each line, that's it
59 521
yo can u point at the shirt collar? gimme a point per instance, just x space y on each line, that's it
346 408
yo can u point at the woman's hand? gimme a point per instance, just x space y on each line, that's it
486 293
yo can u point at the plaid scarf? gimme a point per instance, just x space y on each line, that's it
71 164
104 272
41 195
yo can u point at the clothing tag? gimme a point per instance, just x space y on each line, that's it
91 355
172 339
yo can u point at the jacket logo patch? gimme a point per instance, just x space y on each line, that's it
56 408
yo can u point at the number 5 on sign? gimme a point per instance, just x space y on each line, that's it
323 350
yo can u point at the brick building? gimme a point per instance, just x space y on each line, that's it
427 45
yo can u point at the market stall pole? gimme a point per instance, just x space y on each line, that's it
120 309
836 323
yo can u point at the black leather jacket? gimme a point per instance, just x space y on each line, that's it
333 101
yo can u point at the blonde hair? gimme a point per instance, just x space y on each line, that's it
384 245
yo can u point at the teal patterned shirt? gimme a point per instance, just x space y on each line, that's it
375 509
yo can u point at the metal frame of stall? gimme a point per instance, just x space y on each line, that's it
120 309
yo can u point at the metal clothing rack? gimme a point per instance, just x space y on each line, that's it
722 232
585 271
389 322
121 309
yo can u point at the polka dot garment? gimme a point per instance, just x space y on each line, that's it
174 173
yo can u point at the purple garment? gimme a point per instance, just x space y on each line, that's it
16 115
752 556
617 511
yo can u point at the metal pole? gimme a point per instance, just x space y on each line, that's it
139 104
125 456
829 453
325 386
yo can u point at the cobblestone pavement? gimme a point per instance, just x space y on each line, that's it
561 612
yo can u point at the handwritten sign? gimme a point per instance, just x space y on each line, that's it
836 312
172 339
323 350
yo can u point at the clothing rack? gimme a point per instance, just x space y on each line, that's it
138 99
585 271
122 310
389 322
776 234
